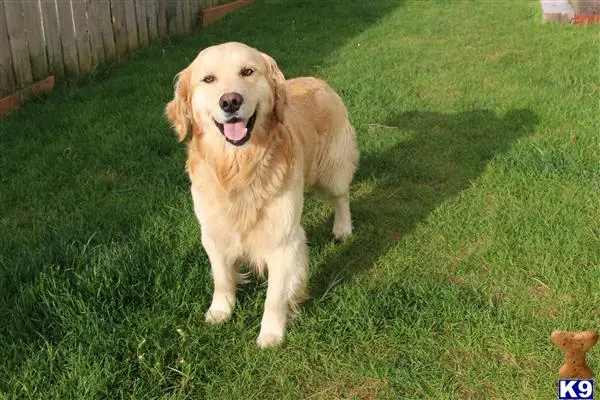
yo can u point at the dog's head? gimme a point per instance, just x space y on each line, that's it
228 90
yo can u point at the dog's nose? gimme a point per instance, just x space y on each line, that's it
231 102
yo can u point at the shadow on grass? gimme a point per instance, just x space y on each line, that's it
439 157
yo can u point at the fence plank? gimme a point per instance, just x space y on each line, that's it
52 37
18 43
194 6
142 22
130 19
152 19
67 37
162 18
194 13
82 36
35 39
95 31
187 13
7 75
180 17
193 9
171 14
198 15
120 26
106 28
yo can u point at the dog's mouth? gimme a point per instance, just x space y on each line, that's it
237 130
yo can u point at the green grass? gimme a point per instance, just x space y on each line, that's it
476 208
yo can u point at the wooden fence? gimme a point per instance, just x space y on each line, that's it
39 38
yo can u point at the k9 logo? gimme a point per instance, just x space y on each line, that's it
575 389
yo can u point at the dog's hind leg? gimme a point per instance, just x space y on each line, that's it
337 174
342 220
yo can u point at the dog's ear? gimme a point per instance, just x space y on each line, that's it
278 83
179 110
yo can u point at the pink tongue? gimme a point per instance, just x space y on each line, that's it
235 130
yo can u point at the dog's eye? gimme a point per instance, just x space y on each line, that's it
208 79
247 71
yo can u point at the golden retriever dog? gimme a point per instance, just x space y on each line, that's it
257 141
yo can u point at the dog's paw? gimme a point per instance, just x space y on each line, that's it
342 231
267 340
216 316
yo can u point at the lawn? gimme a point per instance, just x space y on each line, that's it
476 210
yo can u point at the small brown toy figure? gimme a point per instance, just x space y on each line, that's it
574 345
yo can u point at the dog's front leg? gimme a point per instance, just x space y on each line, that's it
225 282
287 267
